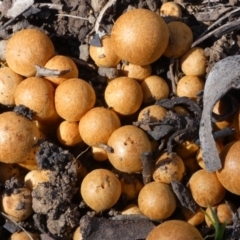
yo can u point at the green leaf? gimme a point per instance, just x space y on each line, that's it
219 228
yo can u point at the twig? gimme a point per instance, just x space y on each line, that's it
105 147
7 23
219 20
224 29
82 63
161 145
46 72
172 76
100 16
6 216
102 12
159 150
72 16
51 6
80 154
176 61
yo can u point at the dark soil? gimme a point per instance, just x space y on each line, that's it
58 208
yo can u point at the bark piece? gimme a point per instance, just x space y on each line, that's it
46 72
224 76
148 167
94 228
18 7
184 196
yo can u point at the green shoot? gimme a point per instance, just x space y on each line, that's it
219 227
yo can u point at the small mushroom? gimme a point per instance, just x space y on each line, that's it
128 144
27 48
168 167
38 95
97 125
24 236
68 134
18 137
205 188
229 174
34 177
175 229
18 206
157 201
9 80
104 56
60 63
124 95
190 86
171 9
147 41
73 98
154 88
181 39
223 212
135 71
194 62
100 189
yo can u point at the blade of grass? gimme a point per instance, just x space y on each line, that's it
221 231
219 228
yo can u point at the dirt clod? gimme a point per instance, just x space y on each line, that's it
52 200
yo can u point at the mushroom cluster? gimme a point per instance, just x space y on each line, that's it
113 145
